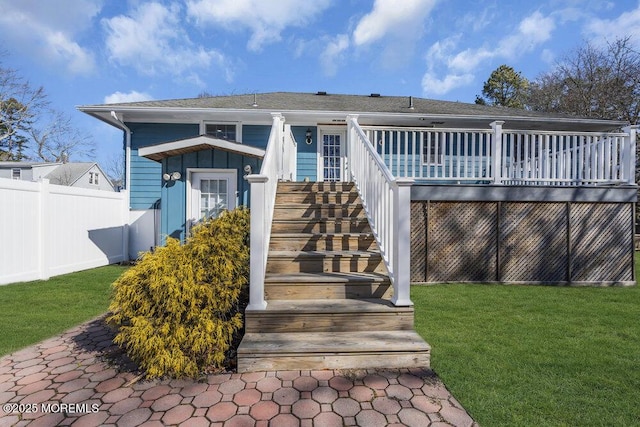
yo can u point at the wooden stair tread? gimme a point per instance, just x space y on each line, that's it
356 342
327 277
364 305
324 254
315 234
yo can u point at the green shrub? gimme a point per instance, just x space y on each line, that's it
178 308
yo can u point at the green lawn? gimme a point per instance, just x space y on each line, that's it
33 311
536 356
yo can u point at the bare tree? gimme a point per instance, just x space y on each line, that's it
593 82
20 105
57 139
114 168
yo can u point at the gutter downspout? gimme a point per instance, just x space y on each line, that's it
127 180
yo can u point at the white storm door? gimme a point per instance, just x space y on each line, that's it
331 159
211 193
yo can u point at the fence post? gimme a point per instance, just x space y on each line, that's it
402 241
257 251
496 151
43 233
629 154
125 225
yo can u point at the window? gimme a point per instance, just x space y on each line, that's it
16 173
93 178
221 130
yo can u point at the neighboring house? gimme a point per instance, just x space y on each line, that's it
81 175
26 171
473 193
78 174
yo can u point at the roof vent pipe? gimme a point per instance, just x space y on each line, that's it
255 100
411 102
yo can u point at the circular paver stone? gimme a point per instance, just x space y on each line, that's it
328 419
340 383
361 393
269 384
410 381
156 392
247 397
305 383
166 402
286 396
178 414
371 418
414 418
135 417
425 404
346 407
207 399
285 420
376 382
305 408
264 410
386 405
231 386
116 395
399 392
324 395
222 411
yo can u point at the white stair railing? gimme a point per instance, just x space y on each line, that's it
387 203
263 196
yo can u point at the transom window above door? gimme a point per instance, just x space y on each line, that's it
226 131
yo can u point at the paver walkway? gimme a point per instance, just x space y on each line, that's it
65 381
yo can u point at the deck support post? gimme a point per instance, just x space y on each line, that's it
258 253
496 151
402 242
629 154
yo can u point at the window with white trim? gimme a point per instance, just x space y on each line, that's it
226 131
433 149
16 173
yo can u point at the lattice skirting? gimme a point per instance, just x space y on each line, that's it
522 242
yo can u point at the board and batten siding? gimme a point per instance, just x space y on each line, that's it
146 175
174 193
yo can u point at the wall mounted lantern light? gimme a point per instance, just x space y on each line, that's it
308 134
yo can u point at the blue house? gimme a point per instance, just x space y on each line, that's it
355 197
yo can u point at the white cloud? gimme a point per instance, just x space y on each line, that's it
531 32
152 40
432 85
133 96
392 17
625 25
265 19
333 53
49 30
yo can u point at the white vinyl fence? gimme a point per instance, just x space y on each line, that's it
47 230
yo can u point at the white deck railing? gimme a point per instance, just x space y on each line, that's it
263 196
387 203
520 157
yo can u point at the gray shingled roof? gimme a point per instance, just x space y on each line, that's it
68 173
291 101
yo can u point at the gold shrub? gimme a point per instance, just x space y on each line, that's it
176 311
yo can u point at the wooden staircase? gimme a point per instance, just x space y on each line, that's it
327 290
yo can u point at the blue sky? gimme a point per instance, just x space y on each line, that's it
98 51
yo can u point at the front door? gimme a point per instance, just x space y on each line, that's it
331 159
211 193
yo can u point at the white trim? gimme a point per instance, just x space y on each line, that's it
331 130
189 201
238 124
212 142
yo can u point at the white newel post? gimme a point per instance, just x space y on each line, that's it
496 161
257 251
629 154
402 241
44 235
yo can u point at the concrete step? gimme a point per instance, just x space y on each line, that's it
332 350
325 261
326 315
327 285
333 197
322 242
321 225
317 211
